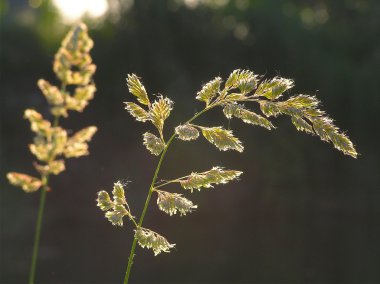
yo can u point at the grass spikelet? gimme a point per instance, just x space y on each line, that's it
302 125
118 194
216 175
269 108
137 89
302 102
234 97
48 145
153 143
116 209
76 145
81 97
151 240
56 167
104 201
26 182
160 111
246 116
116 216
327 131
53 167
84 135
171 203
209 91
52 94
223 139
137 112
273 89
187 132
37 123
244 80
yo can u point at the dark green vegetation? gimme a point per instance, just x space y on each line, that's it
306 213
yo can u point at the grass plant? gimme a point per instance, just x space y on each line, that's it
242 90
52 144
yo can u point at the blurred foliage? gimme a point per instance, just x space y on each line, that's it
303 212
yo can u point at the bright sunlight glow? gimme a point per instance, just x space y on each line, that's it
73 10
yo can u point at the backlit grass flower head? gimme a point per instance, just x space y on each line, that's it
52 144
72 66
242 89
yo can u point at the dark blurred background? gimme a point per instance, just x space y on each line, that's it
302 212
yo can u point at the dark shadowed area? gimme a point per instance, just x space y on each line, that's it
302 212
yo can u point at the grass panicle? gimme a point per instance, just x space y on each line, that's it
52 144
241 89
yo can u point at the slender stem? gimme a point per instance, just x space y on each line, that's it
174 180
169 182
133 221
132 253
151 189
37 234
154 180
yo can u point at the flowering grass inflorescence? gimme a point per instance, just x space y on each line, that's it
52 144
242 88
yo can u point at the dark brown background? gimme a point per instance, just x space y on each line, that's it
302 212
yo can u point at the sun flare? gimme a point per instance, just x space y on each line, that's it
73 10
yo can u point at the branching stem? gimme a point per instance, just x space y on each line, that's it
151 189
301 108
169 182
37 234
